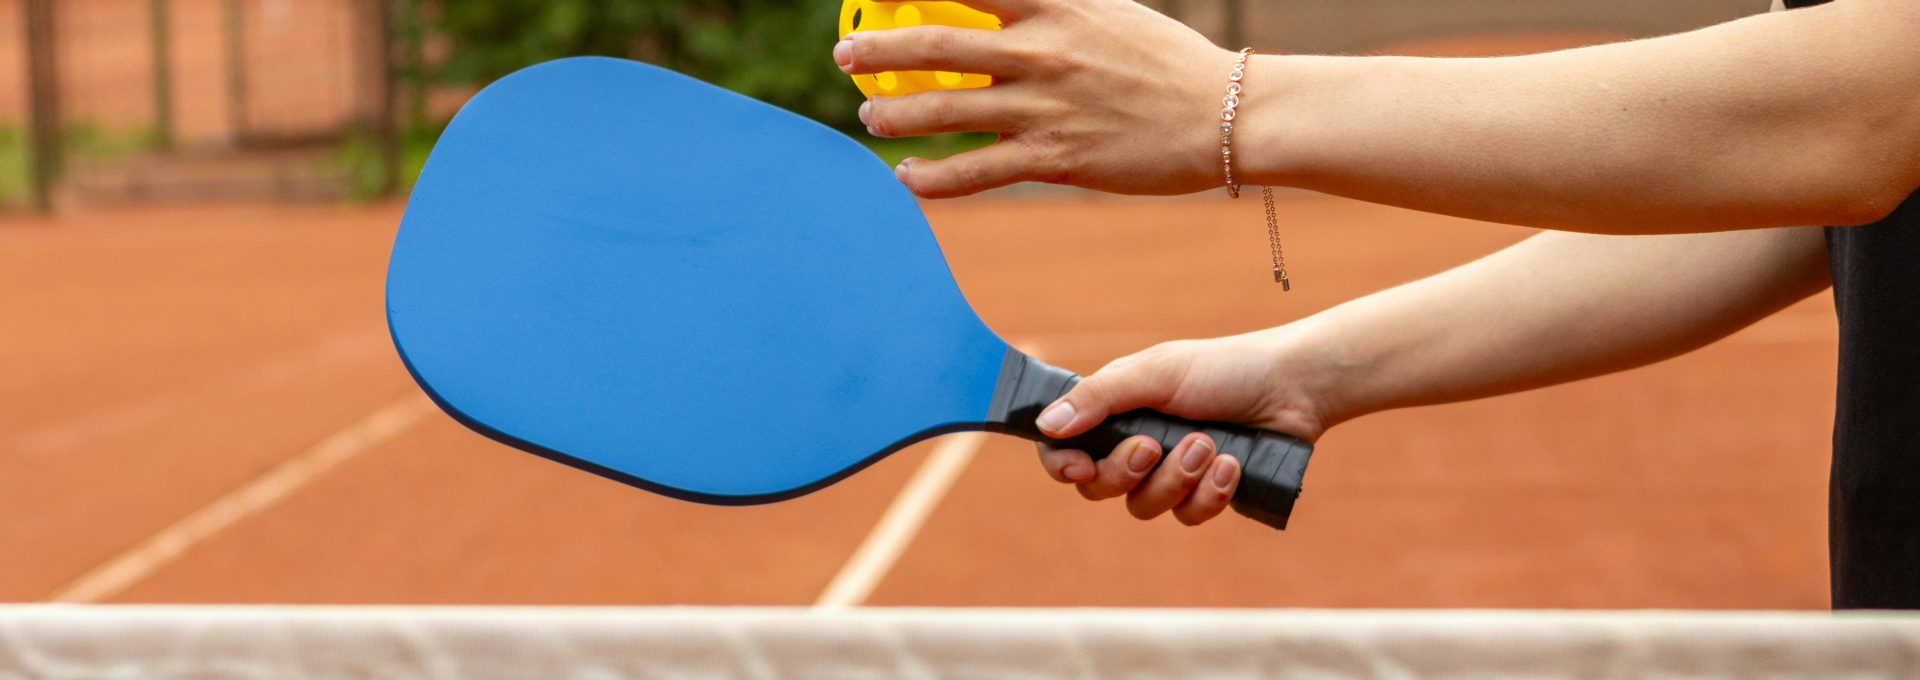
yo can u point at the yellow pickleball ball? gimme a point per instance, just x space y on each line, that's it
871 15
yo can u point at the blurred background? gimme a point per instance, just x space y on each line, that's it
198 402
112 101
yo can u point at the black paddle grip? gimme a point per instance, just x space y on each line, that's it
1272 465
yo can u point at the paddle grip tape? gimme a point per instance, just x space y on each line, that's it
1272 465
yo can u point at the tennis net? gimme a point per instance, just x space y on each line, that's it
57 641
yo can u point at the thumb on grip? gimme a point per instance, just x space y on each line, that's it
1272 465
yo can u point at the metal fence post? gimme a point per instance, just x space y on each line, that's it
412 35
386 123
162 73
43 78
234 26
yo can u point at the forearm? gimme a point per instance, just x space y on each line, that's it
1555 308
1804 117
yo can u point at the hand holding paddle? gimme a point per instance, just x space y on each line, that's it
1269 379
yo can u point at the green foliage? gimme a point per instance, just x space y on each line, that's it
88 139
13 165
778 51
361 158
82 140
937 146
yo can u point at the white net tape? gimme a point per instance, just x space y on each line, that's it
399 642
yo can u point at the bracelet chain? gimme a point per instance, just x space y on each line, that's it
1229 111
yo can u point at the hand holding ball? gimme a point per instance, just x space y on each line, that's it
871 15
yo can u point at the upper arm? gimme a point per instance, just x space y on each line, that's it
1876 55
1846 74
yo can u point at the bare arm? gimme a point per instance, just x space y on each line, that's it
1551 309
1555 308
1803 117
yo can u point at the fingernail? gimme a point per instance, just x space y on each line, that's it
1223 476
900 173
1058 416
864 106
1078 472
1141 460
1196 456
843 54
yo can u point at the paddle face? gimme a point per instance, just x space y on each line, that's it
679 287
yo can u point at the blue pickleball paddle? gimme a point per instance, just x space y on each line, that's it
654 279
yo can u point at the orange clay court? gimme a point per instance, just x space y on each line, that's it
200 404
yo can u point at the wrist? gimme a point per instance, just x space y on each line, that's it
1272 145
1213 82
1332 376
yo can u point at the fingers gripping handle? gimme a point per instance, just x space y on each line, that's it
1271 464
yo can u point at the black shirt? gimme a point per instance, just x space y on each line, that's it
1873 497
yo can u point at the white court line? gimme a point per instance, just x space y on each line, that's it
140 562
889 538
331 352
901 522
